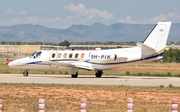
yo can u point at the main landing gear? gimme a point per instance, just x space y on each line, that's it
99 74
25 73
74 73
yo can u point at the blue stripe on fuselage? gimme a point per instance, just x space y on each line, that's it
151 57
40 62
88 61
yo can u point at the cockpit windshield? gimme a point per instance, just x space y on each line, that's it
35 54
32 54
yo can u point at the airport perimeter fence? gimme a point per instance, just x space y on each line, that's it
84 106
12 56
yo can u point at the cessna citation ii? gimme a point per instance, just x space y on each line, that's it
151 49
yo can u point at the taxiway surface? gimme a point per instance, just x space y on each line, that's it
90 80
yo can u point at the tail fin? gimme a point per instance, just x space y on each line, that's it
158 36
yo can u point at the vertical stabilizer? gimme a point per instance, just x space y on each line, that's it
158 37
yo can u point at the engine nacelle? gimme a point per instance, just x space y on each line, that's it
102 57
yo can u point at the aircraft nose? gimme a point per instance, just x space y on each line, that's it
17 63
11 64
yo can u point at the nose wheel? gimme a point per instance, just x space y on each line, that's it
25 73
99 74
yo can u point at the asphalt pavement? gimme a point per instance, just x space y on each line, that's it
90 80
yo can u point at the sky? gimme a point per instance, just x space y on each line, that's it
65 13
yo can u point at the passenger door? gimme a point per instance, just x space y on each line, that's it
53 58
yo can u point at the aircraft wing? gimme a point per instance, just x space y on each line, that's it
122 59
70 64
59 63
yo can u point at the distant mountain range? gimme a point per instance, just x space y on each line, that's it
120 32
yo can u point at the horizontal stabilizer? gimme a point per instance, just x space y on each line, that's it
144 46
146 50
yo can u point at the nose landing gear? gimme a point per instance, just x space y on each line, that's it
25 73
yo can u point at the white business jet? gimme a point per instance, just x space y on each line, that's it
151 49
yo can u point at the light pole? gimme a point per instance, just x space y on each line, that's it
18 50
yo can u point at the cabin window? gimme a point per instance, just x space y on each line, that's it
65 55
59 55
76 55
82 55
70 55
53 55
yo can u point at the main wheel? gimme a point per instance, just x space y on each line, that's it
74 75
25 73
98 73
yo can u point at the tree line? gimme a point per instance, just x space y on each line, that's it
171 55
67 43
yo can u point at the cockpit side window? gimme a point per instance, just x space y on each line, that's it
35 54
38 54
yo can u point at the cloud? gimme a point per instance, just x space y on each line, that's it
92 13
172 16
32 19
23 13
175 9
161 17
128 20
9 17
54 19
8 12
81 15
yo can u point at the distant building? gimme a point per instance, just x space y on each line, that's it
18 51
9 51
172 46
19 48
49 47
94 47
33 48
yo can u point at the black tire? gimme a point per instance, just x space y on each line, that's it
25 73
98 74
74 75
